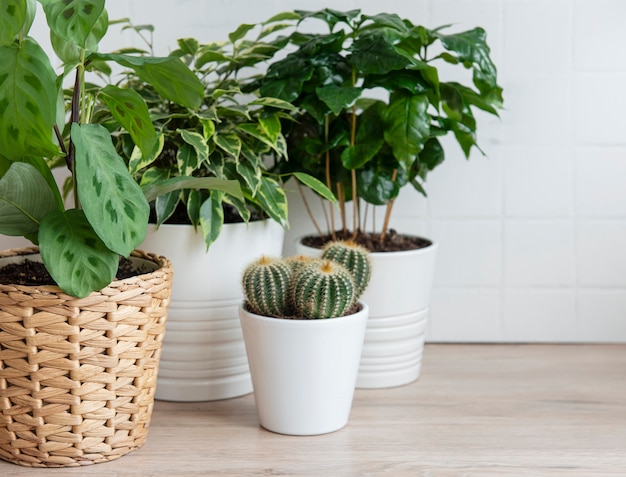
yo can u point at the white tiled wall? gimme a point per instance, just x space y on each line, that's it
532 238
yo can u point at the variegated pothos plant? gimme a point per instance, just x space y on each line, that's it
229 136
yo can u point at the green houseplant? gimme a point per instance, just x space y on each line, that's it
211 235
80 246
304 330
373 104
93 341
227 136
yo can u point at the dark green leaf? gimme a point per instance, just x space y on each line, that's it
373 54
376 188
338 98
407 126
72 252
113 202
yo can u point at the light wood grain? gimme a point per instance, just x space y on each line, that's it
477 411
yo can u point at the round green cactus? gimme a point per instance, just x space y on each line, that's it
266 284
354 257
322 289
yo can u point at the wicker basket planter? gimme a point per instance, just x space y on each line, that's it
78 376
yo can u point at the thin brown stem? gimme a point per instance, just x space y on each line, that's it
308 209
342 207
355 202
383 233
328 184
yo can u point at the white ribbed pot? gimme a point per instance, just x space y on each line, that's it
303 371
204 356
399 299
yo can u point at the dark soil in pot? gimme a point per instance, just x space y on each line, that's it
393 242
30 273
180 216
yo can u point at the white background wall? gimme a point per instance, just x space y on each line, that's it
532 238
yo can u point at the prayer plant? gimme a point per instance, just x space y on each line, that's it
41 125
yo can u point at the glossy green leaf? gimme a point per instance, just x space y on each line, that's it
28 100
355 157
407 126
129 108
25 199
338 98
78 261
374 54
113 202
73 20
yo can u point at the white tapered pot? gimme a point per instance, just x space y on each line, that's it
399 299
303 371
204 356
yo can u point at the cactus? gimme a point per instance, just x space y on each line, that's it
266 284
354 257
322 289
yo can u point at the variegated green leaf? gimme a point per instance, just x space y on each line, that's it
316 185
229 143
212 217
273 199
137 161
78 261
113 202
197 141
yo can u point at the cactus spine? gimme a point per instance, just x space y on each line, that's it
355 258
322 289
266 284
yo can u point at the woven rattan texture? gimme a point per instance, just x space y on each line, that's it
78 376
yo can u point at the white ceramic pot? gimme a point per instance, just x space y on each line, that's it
303 371
204 356
399 299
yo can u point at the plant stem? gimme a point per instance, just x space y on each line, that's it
383 232
342 204
355 202
308 209
328 184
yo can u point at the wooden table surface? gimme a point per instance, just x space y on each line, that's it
477 411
